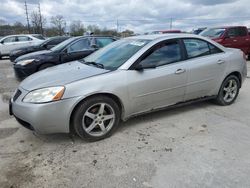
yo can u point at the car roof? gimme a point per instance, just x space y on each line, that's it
163 36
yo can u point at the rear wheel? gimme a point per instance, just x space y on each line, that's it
96 118
45 66
229 91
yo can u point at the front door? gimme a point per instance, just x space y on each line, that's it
76 51
161 86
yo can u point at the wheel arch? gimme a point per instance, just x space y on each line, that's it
237 74
110 95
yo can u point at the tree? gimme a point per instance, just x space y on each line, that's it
76 28
59 24
37 22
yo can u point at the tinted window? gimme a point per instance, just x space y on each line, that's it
101 42
79 45
242 31
196 47
214 49
23 38
163 54
10 39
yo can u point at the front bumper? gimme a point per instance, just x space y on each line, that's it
22 72
45 118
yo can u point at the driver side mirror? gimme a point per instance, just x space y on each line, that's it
141 66
2 42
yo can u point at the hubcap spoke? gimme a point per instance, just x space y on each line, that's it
107 117
91 127
101 125
230 83
90 115
226 96
101 109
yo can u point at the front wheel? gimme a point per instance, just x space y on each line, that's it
96 118
229 91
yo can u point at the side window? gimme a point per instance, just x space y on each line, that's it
163 54
23 39
101 42
9 39
79 45
214 49
233 32
242 31
196 48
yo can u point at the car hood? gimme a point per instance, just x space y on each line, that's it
33 55
60 75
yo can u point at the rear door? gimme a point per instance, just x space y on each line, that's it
8 45
161 86
77 50
206 63
23 41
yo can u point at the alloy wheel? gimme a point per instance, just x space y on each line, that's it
98 119
230 90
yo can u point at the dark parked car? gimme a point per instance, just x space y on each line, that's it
46 45
72 49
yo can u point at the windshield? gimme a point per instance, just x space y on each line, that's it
61 45
213 33
116 53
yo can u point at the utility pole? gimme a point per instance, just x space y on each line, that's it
27 16
171 23
40 18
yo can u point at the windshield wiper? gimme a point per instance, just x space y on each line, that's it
95 64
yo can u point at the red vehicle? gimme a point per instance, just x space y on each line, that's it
231 37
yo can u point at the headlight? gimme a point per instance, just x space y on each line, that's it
25 62
44 95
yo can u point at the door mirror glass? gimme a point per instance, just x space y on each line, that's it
142 66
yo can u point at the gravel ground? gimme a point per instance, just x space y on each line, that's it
200 145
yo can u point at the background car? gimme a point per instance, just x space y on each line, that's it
46 45
72 49
11 42
126 78
231 37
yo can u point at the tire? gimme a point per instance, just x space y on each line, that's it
89 118
45 66
229 91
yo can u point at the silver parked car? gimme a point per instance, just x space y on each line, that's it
126 78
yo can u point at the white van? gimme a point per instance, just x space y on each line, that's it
11 42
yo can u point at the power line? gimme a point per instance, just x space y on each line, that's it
40 18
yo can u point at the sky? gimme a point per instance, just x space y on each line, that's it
138 15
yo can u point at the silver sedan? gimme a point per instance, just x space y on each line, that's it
128 77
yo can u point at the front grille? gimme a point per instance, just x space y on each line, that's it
17 94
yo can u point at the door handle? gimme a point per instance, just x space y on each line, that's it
179 71
220 62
